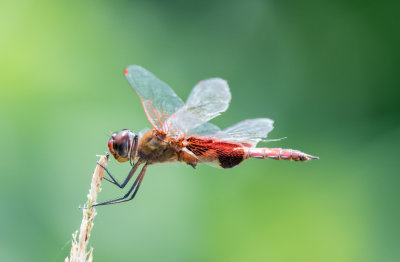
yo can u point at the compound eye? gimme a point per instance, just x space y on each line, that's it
121 147
121 143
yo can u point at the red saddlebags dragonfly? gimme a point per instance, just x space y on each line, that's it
181 131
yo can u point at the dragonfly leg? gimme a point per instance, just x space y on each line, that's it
114 181
135 187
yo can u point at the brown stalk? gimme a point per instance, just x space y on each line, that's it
79 252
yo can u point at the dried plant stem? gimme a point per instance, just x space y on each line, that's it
79 252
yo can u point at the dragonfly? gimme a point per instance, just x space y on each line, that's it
182 131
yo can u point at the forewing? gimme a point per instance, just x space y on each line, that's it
208 99
158 99
249 131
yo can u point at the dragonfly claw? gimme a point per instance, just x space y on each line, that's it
86 207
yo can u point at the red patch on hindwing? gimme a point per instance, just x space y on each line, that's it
207 150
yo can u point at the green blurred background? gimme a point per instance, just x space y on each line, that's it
327 72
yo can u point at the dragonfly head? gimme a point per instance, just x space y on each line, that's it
122 145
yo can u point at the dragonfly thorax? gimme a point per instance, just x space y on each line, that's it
122 144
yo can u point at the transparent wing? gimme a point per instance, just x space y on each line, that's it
248 132
208 99
158 99
205 129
